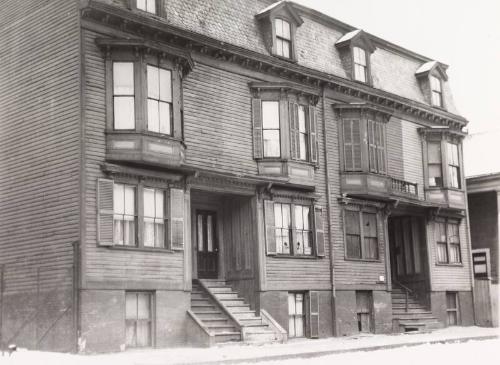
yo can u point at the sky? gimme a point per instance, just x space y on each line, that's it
463 34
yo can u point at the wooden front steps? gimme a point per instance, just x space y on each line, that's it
412 316
221 316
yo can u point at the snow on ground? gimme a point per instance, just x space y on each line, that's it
242 352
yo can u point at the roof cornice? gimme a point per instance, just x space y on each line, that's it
126 21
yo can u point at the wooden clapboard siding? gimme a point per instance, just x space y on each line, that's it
104 264
413 156
395 165
39 143
296 273
218 121
348 272
447 277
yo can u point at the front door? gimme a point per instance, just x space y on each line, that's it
207 244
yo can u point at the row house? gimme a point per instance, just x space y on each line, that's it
196 172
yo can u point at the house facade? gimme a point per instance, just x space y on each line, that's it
192 172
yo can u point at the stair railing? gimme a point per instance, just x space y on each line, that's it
407 291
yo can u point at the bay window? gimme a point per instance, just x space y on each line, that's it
453 165
434 163
271 128
302 133
123 96
159 108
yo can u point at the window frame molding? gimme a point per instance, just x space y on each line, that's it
360 209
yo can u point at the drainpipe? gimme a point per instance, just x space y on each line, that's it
329 212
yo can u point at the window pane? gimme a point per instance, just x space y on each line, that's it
302 118
149 232
434 152
270 115
143 306
353 246
131 306
286 30
453 154
159 202
359 56
210 242
359 73
286 215
285 239
305 210
279 47
151 6
129 200
436 98
123 78
143 334
153 82
370 225
165 118
165 85
129 231
149 203
352 222
303 146
451 301
299 243
118 230
200 232
278 216
118 199
370 251
271 143
442 255
279 241
435 178
153 116
286 49
291 303
299 303
454 253
435 83
279 27
159 234
124 112
454 178
299 222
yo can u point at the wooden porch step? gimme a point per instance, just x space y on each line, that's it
227 337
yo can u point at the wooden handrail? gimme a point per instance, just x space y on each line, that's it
407 293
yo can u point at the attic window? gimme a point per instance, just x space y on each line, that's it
359 64
147 6
283 38
437 93
355 49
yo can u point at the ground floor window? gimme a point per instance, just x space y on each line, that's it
296 315
452 308
138 319
364 310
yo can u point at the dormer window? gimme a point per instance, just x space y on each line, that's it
359 64
283 38
354 49
278 23
147 5
436 92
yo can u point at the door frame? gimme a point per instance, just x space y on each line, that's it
195 206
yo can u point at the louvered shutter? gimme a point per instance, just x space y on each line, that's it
294 129
313 135
105 212
313 321
258 148
270 228
177 219
319 238
372 146
352 144
381 147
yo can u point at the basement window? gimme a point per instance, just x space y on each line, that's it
364 304
138 319
452 308
296 315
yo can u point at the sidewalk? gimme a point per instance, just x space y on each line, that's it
230 354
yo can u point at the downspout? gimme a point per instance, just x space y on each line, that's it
329 211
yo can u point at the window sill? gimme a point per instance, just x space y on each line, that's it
283 58
300 257
448 264
362 260
141 249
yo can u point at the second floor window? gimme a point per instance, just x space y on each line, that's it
123 96
436 92
159 100
359 64
453 165
147 5
361 235
125 216
303 134
271 128
376 147
283 38
434 163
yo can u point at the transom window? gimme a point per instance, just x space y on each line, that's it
361 235
436 91
296 315
283 38
271 128
123 96
453 165
155 221
124 218
360 65
138 319
434 163
159 100
147 5
448 242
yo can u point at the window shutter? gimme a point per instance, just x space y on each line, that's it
270 228
313 314
319 231
294 129
372 146
380 140
258 148
313 135
105 212
177 218
352 144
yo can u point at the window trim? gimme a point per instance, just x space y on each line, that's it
446 222
360 211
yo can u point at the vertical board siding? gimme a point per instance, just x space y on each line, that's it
412 156
445 277
39 143
395 164
102 264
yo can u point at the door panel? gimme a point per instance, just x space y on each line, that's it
207 244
